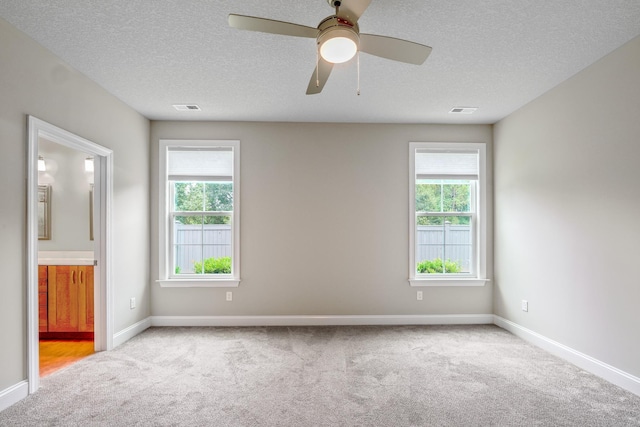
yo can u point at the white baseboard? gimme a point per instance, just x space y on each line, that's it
454 319
130 332
13 394
586 362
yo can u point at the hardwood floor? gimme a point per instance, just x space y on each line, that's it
56 354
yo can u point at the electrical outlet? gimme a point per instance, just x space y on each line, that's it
132 303
229 296
525 305
419 295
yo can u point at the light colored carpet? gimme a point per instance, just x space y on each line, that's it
325 376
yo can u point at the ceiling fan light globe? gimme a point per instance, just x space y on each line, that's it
337 43
338 50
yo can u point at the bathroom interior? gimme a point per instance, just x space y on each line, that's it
65 255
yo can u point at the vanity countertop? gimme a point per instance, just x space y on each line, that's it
65 258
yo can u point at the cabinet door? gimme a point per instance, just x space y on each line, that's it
42 298
85 298
63 298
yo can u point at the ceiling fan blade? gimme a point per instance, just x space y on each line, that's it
352 10
253 23
395 49
319 77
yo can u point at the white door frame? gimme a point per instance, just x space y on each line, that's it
103 195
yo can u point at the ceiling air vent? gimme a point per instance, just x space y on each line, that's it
186 107
463 110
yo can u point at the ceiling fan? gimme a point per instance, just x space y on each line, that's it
338 39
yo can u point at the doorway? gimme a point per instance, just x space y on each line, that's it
98 205
65 255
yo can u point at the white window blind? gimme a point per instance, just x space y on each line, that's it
434 164
200 164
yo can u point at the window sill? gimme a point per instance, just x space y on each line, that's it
448 282
208 283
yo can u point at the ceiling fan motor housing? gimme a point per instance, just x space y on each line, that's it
333 29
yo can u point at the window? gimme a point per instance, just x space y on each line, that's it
199 227
447 208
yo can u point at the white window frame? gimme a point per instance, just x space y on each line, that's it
166 277
477 277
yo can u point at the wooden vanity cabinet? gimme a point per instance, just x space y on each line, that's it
69 298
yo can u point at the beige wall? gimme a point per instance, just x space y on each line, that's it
567 235
35 82
324 221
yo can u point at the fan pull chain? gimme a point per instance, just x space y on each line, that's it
318 67
358 53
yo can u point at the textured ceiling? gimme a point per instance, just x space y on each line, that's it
496 55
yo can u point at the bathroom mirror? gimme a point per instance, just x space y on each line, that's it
44 212
90 211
